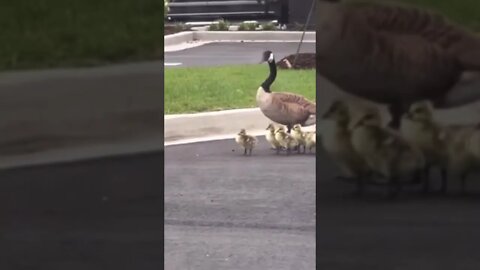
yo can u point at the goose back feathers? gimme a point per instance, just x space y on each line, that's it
392 54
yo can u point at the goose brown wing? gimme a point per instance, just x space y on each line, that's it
296 101
431 26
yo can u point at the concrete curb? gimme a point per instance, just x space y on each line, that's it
175 40
82 153
210 126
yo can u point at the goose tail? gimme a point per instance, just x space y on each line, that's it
312 120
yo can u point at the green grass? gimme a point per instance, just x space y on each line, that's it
228 87
465 12
59 33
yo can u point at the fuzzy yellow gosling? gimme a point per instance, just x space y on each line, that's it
285 139
270 136
463 143
310 140
246 141
336 140
419 128
384 150
299 135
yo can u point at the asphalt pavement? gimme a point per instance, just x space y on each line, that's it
413 232
96 214
224 210
233 53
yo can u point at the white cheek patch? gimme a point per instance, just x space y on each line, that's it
270 58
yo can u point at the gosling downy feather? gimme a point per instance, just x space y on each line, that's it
299 135
310 140
246 141
419 128
336 140
270 136
384 150
285 139
462 146
396 55
281 107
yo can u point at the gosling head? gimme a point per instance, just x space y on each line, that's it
369 117
338 111
270 127
280 129
268 56
297 128
242 132
420 111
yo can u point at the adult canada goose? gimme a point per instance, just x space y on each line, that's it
396 55
284 108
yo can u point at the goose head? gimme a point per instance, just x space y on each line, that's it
242 132
268 57
421 111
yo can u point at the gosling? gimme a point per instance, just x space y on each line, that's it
299 135
310 140
463 143
385 151
246 141
419 128
336 140
285 139
270 136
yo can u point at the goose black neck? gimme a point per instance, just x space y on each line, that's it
271 77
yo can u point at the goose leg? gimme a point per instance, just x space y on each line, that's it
245 152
